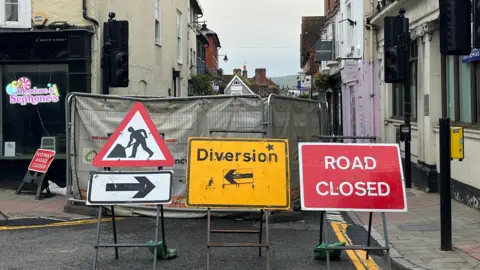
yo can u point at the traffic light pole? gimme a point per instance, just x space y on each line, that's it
406 128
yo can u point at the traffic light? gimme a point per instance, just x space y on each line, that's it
455 27
119 63
395 46
476 23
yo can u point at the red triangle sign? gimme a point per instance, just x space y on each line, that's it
135 143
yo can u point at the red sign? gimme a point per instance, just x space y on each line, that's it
351 177
41 160
135 143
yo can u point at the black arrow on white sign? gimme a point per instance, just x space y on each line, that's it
144 186
231 176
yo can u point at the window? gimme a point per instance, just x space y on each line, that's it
15 13
158 28
398 104
462 90
26 123
179 37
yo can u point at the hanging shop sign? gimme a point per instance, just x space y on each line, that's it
21 92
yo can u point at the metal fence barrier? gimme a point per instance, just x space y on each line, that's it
90 117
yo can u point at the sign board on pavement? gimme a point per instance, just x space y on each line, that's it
41 161
135 143
238 173
351 177
130 187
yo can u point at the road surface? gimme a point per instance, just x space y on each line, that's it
71 247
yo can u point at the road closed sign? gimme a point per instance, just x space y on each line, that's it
351 177
238 173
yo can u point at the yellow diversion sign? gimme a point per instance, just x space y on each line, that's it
238 173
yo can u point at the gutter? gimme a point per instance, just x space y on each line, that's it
84 13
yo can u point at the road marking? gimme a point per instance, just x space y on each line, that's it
57 224
353 257
334 216
358 257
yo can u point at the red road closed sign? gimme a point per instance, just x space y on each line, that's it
41 160
351 177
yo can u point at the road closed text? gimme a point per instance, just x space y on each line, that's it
351 187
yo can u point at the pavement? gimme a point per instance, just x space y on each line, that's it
414 236
25 210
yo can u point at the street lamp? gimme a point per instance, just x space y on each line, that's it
225 57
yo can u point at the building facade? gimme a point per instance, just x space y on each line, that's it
61 53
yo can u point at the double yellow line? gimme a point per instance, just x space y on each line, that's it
57 224
358 257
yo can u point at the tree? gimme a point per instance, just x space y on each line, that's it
220 71
202 85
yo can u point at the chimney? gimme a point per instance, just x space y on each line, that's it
237 71
245 74
260 75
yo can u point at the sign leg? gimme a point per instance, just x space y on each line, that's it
322 213
369 231
325 236
97 237
114 225
163 231
208 239
267 238
260 238
155 248
387 244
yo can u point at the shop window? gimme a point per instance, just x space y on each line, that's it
33 106
398 104
15 13
462 87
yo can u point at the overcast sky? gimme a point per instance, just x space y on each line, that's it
260 33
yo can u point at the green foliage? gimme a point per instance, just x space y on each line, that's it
304 95
202 85
320 81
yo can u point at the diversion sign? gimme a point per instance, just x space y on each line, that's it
238 173
351 177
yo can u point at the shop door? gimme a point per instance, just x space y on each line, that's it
33 105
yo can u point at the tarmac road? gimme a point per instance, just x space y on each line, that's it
71 247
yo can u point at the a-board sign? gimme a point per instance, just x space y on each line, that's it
351 177
238 173
129 187
135 143
41 161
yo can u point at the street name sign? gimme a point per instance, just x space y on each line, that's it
238 173
130 187
135 143
41 161
351 177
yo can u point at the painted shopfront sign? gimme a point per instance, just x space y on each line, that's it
21 92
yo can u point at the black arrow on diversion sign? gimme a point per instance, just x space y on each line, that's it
231 176
144 186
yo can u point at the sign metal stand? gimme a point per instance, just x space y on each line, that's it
323 234
159 215
263 214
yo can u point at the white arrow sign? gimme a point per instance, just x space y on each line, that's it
132 187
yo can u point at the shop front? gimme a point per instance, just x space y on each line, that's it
38 70
334 98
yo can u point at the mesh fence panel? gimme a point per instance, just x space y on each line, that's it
93 116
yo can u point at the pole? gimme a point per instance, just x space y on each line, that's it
106 50
407 102
445 192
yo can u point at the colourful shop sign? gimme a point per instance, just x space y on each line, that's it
21 92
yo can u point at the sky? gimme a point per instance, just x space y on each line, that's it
259 33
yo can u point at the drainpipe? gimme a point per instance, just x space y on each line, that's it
372 91
84 12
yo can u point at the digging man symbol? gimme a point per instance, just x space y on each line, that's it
139 136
